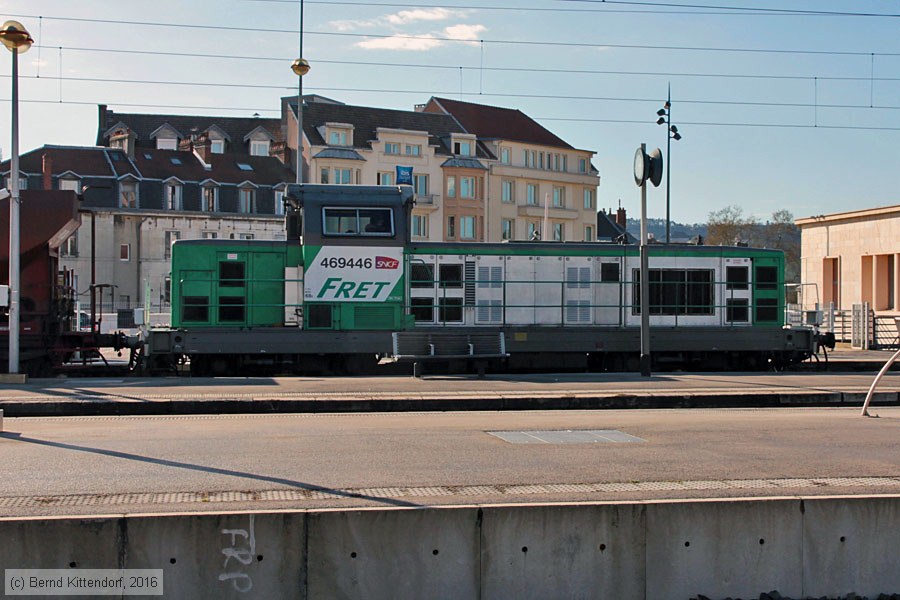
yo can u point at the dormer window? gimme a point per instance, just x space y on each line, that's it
166 143
462 148
127 194
259 147
217 146
70 183
338 137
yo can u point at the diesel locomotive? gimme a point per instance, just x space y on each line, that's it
349 288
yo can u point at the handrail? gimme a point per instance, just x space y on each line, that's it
884 369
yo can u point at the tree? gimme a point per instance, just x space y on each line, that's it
728 226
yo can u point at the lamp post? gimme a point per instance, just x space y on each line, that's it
300 67
665 118
14 36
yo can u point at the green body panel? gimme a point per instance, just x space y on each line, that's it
253 297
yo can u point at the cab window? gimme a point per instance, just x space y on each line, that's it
367 222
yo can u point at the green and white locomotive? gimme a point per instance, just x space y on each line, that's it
348 288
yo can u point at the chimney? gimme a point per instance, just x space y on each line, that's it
123 139
621 219
281 151
47 171
202 146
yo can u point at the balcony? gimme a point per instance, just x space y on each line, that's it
429 202
555 212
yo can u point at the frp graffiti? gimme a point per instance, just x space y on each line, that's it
238 556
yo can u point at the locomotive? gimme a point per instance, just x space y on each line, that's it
349 289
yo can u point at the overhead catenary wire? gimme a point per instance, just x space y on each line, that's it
467 40
245 109
654 8
478 93
509 69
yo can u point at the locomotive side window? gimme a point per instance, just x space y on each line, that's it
451 276
676 291
196 308
609 272
422 309
376 222
421 275
767 309
737 310
736 278
767 278
450 310
231 274
231 309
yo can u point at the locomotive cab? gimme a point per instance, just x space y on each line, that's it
353 240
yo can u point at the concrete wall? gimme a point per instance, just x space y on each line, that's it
678 549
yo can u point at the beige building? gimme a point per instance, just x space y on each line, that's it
481 173
851 258
534 175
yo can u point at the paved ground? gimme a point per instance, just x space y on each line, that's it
112 465
180 395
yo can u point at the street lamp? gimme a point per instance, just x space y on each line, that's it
665 118
300 67
14 36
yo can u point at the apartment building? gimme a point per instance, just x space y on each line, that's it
137 201
482 173
347 144
534 179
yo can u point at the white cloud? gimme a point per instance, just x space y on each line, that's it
404 17
431 14
465 32
398 42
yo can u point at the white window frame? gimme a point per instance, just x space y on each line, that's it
246 200
391 148
259 147
467 227
384 178
165 143
507 190
125 252
507 229
420 184
588 198
70 184
217 146
125 188
468 187
559 197
413 150
172 196
279 202
531 194
206 191
420 226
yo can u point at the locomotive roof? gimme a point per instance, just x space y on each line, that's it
580 248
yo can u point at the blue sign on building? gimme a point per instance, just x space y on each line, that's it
404 175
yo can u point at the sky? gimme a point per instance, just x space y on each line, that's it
788 104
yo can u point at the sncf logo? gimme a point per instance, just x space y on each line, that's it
386 262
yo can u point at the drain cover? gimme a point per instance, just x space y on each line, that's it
565 436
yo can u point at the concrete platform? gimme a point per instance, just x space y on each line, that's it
181 395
